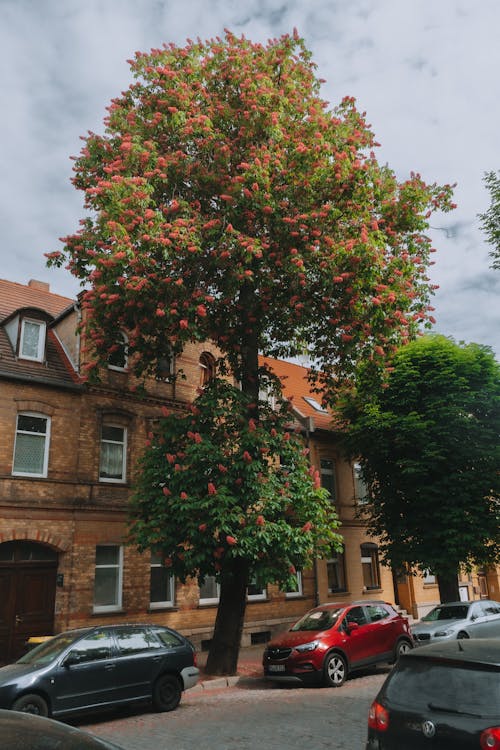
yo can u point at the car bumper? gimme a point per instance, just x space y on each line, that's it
190 677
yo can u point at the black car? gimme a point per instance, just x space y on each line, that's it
100 667
20 731
440 697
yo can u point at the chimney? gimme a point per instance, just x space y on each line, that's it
41 286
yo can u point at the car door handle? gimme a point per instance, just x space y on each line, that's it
109 667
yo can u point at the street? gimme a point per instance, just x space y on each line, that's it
251 715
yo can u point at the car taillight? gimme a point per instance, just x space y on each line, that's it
378 717
195 659
490 738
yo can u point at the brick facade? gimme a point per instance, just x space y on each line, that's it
71 511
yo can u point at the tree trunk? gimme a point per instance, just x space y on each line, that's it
225 646
448 588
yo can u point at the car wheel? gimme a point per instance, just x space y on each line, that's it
402 647
31 704
462 635
335 670
166 693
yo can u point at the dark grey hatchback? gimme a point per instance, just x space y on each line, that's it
100 667
440 697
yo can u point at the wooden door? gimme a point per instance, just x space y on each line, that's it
27 598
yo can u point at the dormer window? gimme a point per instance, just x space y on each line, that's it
32 343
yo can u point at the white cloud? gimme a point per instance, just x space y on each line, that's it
425 72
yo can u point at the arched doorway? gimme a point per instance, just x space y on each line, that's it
27 595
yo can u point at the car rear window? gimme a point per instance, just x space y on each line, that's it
466 689
168 638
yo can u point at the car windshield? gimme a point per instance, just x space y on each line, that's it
318 619
49 650
453 612
426 684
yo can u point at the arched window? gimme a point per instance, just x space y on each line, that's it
207 368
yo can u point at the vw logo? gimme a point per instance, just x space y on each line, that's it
428 729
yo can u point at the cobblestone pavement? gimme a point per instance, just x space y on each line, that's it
249 715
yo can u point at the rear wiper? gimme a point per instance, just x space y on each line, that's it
449 710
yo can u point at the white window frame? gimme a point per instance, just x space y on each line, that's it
123 343
155 562
123 477
261 594
119 582
323 472
41 339
46 445
213 599
361 494
300 591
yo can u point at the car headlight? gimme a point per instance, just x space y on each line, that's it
307 646
443 633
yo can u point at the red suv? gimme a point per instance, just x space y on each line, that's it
334 639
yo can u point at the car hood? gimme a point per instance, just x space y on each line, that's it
432 627
12 672
290 639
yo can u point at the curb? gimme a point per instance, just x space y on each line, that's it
222 682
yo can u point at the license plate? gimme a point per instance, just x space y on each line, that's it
276 668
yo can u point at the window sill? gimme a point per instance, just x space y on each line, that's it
163 608
369 590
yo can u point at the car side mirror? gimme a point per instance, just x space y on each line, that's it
351 626
71 659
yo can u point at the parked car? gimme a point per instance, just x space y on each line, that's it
442 696
333 640
479 619
22 731
101 666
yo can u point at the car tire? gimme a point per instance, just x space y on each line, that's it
402 647
31 704
462 635
334 670
166 693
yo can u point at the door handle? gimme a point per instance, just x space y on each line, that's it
109 667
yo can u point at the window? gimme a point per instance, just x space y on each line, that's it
360 487
32 344
296 589
327 467
108 578
429 578
165 367
377 612
118 357
356 615
209 591
93 647
370 565
315 404
161 584
207 368
31 448
255 590
135 640
335 568
113 453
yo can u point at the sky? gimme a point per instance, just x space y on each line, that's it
426 72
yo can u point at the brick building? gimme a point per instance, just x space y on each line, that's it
68 453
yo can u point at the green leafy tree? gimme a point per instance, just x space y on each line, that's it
430 454
491 218
221 494
226 202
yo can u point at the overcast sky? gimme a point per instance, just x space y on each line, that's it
425 71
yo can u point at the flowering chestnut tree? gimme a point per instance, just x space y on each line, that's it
227 202
223 494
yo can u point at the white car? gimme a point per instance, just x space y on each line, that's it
479 619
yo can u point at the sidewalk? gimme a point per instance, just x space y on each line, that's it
249 668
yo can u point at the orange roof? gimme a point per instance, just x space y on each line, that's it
297 389
14 296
